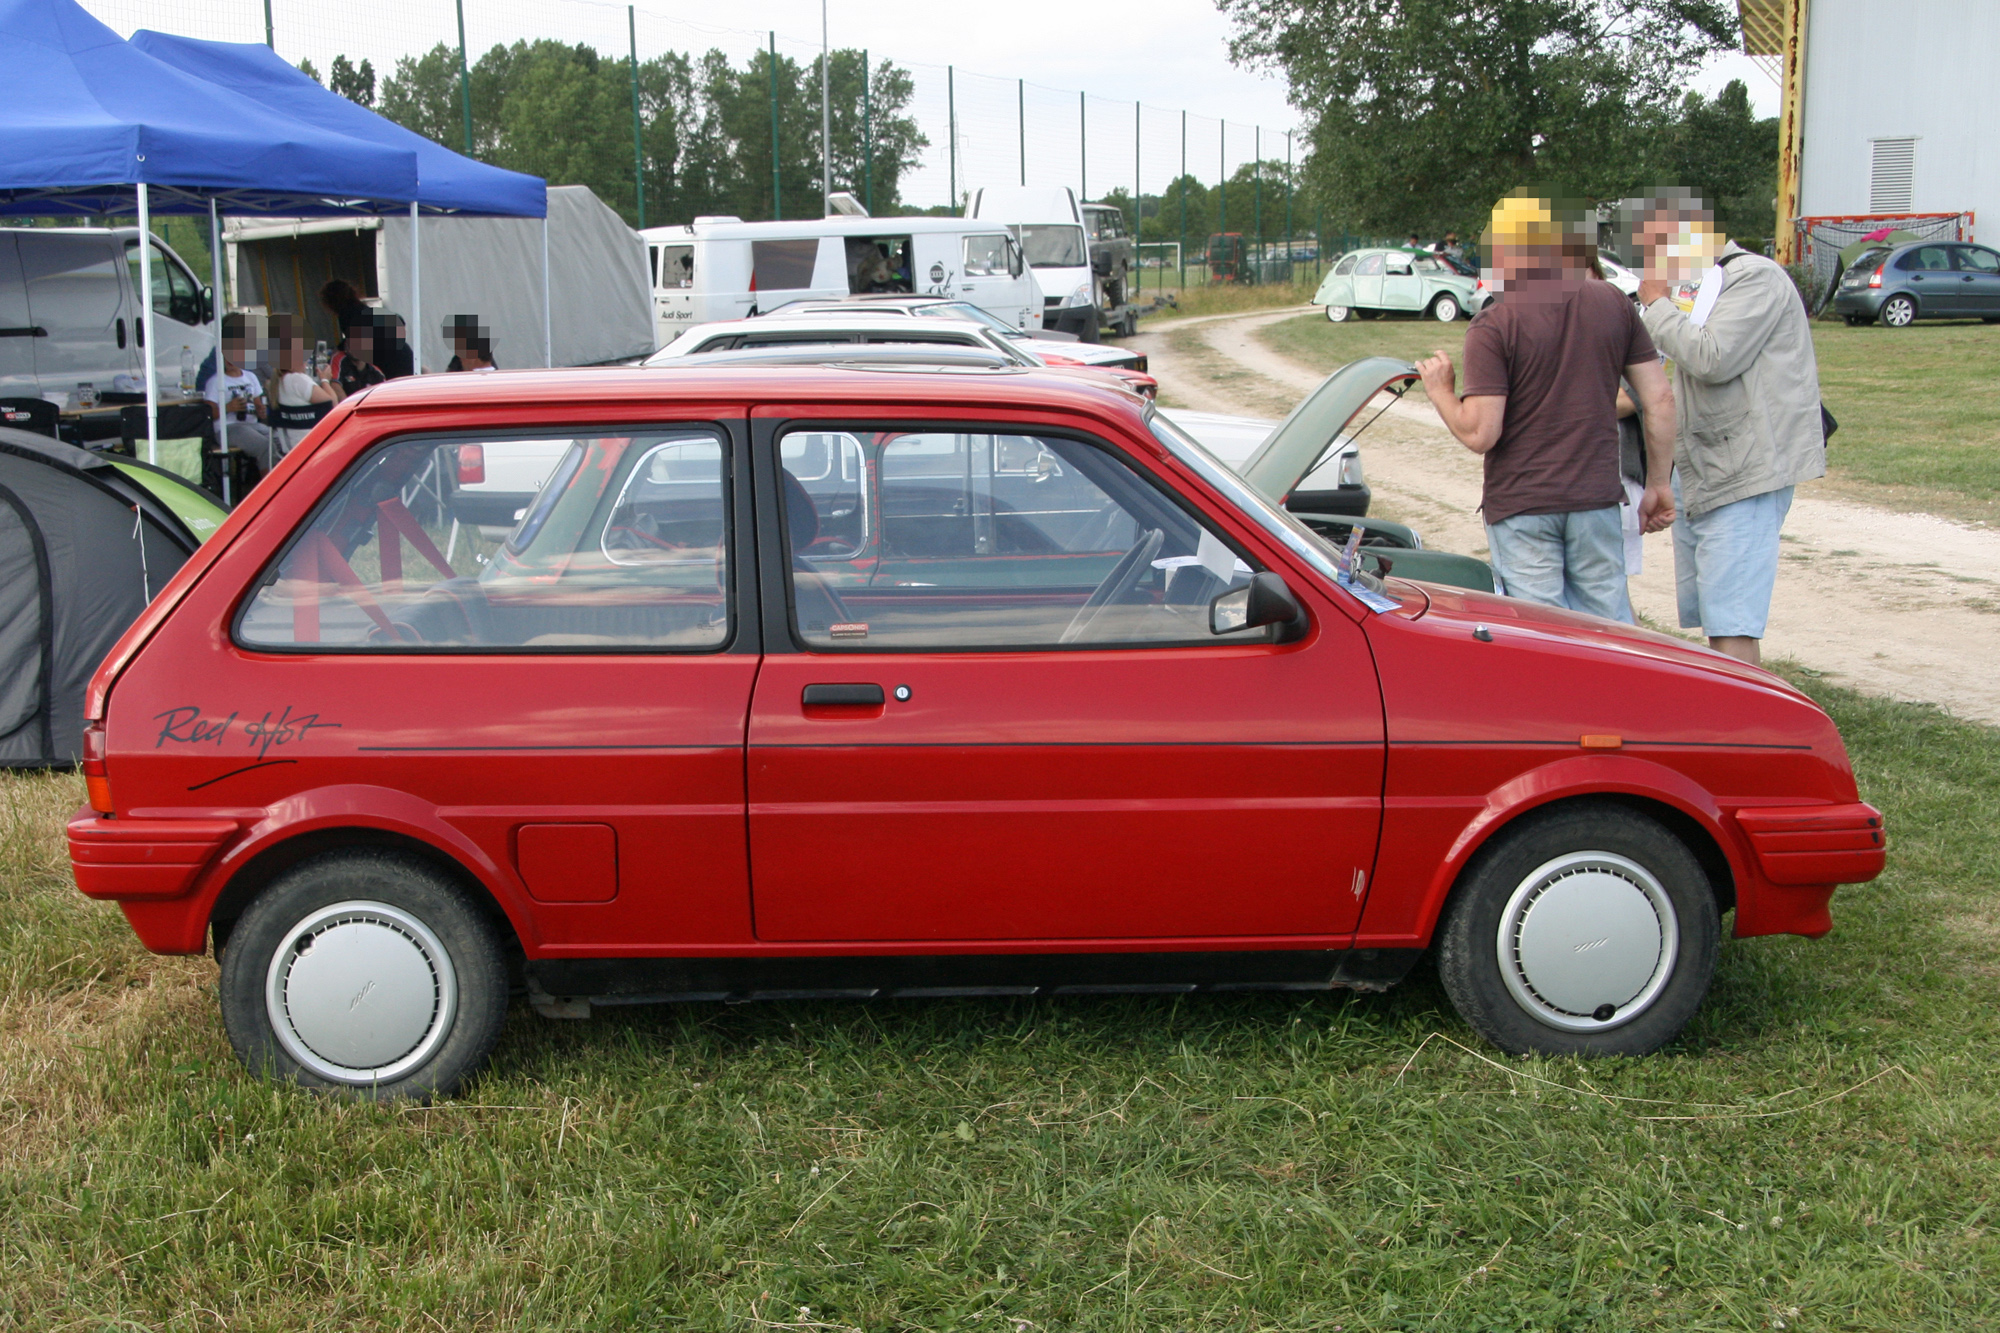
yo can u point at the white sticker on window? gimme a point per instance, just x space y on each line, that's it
1216 558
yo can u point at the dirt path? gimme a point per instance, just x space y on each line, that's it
1901 604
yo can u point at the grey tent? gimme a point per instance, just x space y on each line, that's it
84 545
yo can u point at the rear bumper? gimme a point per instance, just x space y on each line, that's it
1859 301
142 859
1817 844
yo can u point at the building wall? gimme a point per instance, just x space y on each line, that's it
1923 68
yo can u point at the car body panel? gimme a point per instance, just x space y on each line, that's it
1091 801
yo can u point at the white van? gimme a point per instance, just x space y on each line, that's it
70 316
1050 227
724 268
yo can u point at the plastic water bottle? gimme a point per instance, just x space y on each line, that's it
187 370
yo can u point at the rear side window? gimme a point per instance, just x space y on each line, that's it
1345 266
1927 258
1369 264
945 541
599 542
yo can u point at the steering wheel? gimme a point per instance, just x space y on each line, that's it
1122 579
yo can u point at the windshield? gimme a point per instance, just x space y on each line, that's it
1296 537
964 310
1059 245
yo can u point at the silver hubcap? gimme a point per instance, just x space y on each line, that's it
361 992
1899 313
1588 942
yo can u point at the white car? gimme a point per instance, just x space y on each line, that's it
1335 485
1052 348
1615 273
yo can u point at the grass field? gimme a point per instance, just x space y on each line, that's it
1919 408
1226 299
1817 1153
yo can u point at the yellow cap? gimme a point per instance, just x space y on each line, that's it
1522 219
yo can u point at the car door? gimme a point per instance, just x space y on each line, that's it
1368 281
179 328
1931 279
1979 279
1402 288
992 274
569 698
1000 712
77 295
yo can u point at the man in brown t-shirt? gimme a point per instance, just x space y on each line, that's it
1540 405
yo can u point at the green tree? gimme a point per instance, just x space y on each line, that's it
1420 113
1718 147
356 84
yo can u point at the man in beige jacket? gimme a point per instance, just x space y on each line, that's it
1746 387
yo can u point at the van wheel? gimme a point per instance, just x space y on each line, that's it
366 972
1588 930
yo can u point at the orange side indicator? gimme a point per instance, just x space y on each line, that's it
1601 742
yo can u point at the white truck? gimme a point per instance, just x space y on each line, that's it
490 268
1050 226
717 268
70 314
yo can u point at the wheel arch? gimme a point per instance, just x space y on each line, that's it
1639 785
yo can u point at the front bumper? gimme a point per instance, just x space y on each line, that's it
1817 844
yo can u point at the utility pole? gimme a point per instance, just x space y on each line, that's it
825 120
777 178
638 150
464 80
867 140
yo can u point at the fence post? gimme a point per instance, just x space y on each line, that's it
951 127
1021 114
777 180
1181 252
464 80
1138 209
638 151
1222 191
1082 148
867 139
1257 194
1288 201
270 33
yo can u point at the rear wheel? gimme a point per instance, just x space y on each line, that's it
1588 930
1899 311
1445 309
368 972
1339 314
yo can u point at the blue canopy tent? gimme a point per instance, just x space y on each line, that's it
448 182
92 126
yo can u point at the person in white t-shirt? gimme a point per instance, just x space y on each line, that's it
236 397
298 400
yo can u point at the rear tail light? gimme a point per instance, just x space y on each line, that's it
471 464
1875 278
97 783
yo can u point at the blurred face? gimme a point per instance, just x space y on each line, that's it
361 342
1676 245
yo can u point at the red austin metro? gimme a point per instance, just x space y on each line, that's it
839 681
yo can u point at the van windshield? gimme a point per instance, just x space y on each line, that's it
1057 246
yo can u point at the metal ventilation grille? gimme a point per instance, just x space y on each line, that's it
1891 174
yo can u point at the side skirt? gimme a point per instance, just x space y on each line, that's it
568 987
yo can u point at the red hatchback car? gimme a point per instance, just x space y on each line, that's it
840 681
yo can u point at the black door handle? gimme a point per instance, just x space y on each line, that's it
858 696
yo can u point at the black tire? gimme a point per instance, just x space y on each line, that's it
1590 868
393 924
1899 311
1360 313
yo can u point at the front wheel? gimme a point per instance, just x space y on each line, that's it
1338 314
1445 309
1588 930
1899 311
366 972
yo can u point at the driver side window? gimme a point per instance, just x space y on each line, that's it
984 540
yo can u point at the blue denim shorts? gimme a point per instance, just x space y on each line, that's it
1574 560
1726 563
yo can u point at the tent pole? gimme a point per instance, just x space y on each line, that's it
548 316
146 325
221 370
416 295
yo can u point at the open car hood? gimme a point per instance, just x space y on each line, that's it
1303 437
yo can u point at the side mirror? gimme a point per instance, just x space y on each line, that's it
1264 601
207 305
